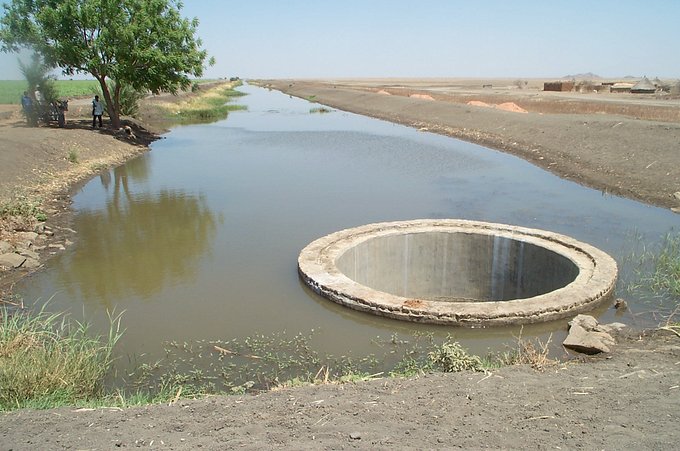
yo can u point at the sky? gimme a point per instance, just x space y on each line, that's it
433 38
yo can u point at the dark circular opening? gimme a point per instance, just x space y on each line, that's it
456 267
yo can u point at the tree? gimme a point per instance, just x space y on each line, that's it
37 74
145 44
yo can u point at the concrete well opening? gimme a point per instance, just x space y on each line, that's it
458 272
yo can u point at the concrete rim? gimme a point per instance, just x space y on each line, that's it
594 283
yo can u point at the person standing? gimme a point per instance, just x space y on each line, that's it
97 111
27 105
38 95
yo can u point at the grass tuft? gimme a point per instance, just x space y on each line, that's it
73 157
50 360
210 106
656 272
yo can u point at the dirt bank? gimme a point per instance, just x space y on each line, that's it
580 139
627 400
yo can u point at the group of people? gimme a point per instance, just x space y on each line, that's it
30 106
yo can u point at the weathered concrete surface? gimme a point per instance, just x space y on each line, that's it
458 272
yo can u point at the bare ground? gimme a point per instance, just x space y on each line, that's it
628 399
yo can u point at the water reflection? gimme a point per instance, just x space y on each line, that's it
138 243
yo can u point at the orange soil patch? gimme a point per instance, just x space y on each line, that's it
511 106
421 96
479 103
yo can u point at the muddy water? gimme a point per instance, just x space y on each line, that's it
198 239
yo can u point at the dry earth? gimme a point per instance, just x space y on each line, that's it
627 400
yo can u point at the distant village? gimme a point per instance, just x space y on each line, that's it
643 86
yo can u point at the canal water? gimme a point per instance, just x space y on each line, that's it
198 239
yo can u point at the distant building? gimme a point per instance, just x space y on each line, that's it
558 86
643 86
621 87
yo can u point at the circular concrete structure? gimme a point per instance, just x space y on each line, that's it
457 272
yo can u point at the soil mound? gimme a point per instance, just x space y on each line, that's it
421 96
479 103
512 107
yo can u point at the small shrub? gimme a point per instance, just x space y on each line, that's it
73 157
19 207
451 357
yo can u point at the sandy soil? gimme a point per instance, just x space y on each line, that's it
628 399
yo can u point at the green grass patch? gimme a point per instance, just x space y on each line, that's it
73 156
12 90
49 360
211 106
658 268
22 207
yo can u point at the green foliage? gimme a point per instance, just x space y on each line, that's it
73 156
22 207
452 357
129 98
209 107
36 73
49 360
658 268
145 44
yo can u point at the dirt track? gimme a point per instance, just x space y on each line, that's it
628 401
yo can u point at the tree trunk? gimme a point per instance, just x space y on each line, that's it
114 114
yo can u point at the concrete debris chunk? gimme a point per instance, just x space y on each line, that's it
587 336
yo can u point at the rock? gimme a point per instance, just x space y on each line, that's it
355 436
31 263
27 236
620 304
587 336
612 327
580 340
5 247
29 254
677 195
56 246
585 321
12 260
39 228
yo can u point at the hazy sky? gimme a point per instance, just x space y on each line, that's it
434 38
